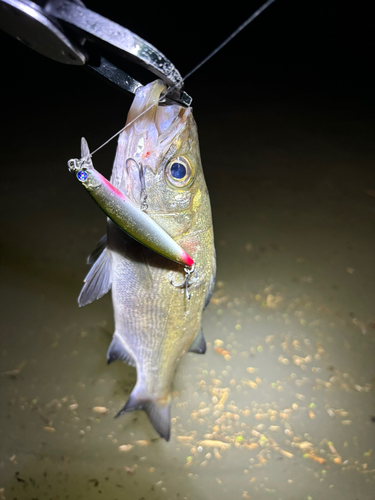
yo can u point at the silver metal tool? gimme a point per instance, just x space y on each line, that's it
70 33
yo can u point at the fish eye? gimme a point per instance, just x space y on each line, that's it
179 172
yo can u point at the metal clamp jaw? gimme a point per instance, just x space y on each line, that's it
59 29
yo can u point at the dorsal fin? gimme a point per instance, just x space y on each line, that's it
95 254
98 281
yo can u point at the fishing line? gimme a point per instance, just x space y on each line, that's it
199 65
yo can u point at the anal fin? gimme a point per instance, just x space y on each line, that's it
199 343
116 351
98 280
158 413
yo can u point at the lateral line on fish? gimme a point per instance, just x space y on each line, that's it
199 65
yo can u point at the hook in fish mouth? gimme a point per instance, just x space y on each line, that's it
141 171
187 282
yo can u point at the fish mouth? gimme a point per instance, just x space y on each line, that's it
148 134
151 119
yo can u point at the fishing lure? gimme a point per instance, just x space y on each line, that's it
123 212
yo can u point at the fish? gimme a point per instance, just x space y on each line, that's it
157 302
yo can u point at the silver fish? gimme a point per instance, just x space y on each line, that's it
157 165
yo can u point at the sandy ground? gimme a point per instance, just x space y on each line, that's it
282 404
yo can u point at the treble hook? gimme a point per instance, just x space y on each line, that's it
186 283
143 194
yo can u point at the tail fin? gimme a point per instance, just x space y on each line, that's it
158 413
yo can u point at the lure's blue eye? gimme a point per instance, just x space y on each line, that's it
82 175
178 170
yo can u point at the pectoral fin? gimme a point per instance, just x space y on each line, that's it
98 281
159 414
199 343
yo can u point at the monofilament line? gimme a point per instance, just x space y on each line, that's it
215 51
230 37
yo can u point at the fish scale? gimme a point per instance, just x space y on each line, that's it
154 317
157 312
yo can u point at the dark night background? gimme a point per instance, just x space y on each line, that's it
306 52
